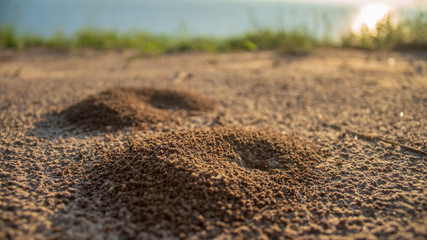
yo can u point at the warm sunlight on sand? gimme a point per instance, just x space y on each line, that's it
369 15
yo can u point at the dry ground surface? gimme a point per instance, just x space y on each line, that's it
329 145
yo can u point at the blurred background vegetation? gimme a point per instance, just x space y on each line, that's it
407 34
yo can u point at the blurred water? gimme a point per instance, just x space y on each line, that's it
193 17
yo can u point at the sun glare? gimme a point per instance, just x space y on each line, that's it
369 15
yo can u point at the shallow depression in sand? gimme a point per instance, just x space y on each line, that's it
135 106
201 179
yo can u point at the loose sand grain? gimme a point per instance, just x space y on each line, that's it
215 180
223 171
120 107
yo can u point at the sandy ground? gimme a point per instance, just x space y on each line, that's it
364 112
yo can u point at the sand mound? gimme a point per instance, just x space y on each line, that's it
127 106
183 182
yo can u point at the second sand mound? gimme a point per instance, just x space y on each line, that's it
180 183
127 106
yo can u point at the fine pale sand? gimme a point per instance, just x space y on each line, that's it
104 145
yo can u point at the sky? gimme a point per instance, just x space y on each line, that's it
360 2
394 3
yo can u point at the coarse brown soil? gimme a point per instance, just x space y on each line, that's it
120 107
202 182
103 145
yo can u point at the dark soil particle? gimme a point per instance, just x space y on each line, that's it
202 181
120 107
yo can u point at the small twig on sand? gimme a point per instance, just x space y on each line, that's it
374 138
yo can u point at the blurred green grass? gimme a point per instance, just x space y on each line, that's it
410 33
